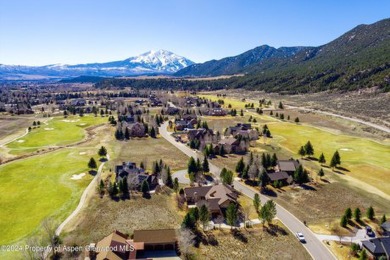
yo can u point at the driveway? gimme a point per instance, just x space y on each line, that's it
314 246
180 175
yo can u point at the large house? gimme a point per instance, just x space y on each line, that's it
216 112
386 228
217 198
288 166
134 175
231 145
145 244
136 129
243 130
377 247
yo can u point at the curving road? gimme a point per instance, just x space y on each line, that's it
314 246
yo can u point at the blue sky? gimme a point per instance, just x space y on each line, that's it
43 32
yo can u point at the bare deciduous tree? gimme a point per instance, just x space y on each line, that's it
186 242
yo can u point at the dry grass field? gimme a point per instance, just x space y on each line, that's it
103 215
253 244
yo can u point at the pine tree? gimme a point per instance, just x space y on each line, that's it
256 202
145 188
92 163
383 219
192 166
296 120
370 213
204 215
274 160
152 132
363 255
309 150
222 151
102 151
302 151
205 165
322 159
169 181
336 160
343 221
127 134
280 105
348 213
321 173
240 166
125 188
357 215
231 214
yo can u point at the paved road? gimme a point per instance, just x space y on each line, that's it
314 246
380 127
90 188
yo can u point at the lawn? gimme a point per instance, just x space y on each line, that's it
365 160
57 131
37 187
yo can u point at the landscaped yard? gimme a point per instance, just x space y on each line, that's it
55 132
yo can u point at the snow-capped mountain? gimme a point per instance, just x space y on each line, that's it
152 62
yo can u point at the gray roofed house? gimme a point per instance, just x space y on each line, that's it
377 247
386 228
288 166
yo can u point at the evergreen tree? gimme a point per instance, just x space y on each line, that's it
268 160
321 173
343 221
300 175
127 134
245 174
204 215
231 214
188 221
336 160
125 188
370 213
226 176
192 166
309 150
102 151
222 151
101 187
263 179
152 132
198 165
241 113
240 166
357 214
280 105
296 120
363 255
322 159
256 202
145 188
274 160
115 189
383 219
205 165
92 163
348 214
169 181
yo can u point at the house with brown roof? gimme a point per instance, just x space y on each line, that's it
288 166
145 243
233 145
217 198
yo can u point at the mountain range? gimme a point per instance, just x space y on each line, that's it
149 63
357 59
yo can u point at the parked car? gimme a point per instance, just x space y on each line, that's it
300 237
369 231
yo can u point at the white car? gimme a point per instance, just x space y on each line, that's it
300 237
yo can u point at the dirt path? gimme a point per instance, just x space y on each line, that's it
89 189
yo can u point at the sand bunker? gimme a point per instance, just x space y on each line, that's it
48 129
82 124
77 176
21 141
70 121
345 149
82 153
